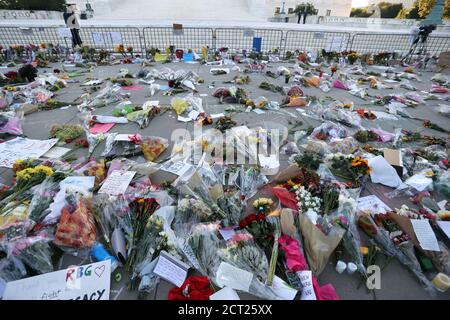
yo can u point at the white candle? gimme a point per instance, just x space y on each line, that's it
351 268
340 266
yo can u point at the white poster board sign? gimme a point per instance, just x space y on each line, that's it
333 44
88 282
64 33
23 148
98 38
116 37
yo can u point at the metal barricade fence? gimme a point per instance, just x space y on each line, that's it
109 38
316 40
242 39
186 38
401 43
31 35
233 38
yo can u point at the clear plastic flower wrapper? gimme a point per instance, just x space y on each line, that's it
34 251
44 195
348 118
153 147
12 269
76 227
10 123
121 145
329 130
347 218
205 246
202 183
403 254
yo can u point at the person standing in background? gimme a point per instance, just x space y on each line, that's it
72 23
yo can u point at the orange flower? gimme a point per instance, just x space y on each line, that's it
369 170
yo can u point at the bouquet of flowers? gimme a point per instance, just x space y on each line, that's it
66 133
308 160
120 147
76 226
306 201
141 210
349 167
34 252
144 116
153 147
12 269
43 196
242 252
25 180
381 236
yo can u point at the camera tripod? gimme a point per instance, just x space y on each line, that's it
419 49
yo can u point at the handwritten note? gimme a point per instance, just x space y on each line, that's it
88 282
373 204
228 275
282 289
308 289
171 269
117 182
425 235
22 148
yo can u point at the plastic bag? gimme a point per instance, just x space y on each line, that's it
10 124
117 147
12 269
444 110
329 130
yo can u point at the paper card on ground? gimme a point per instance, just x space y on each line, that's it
171 269
184 119
110 119
445 227
419 182
235 278
372 203
282 289
56 152
270 164
258 111
227 233
88 282
117 182
193 115
225 294
22 148
306 281
92 83
425 234
177 168
123 137
217 115
101 128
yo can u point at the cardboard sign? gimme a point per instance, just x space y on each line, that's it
178 29
117 182
88 282
23 148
